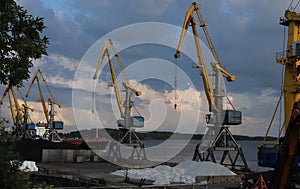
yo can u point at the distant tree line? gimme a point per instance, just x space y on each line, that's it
153 135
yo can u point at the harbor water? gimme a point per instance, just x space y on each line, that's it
249 148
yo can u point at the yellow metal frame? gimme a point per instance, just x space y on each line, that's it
106 52
51 99
207 83
14 103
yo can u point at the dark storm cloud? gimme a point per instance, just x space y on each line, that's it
65 34
246 35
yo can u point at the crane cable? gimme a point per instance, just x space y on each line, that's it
230 102
290 7
296 5
282 77
175 84
228 99
136 109
93 95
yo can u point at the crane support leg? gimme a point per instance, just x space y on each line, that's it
287 150
52 135
114 152
129 138
227 145
132 140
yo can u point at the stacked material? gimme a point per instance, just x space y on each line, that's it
28 166
184 172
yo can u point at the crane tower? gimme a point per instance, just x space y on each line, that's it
127 123
218 138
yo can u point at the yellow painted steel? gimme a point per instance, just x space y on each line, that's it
207 83
25 103
18 108
291 76
106 52
12 109
14 103
291 92
51 99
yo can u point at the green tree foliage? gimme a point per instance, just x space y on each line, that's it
9 172
21 42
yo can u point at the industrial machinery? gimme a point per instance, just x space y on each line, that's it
20 115
283 154
128 122
218 137
51 134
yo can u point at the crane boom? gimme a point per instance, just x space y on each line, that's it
185 27
45 109
106 52
102 55
32 82
115 85
6 90
35 76
51 133
202 65
23 99
218 116
127 135
117 55
108 44
12 109
16 110
51 99
203 26
190 20
227 75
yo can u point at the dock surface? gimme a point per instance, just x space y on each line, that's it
98 175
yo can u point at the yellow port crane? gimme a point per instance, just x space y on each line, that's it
207 83
128 122
51 134
20 119
222 118
283 155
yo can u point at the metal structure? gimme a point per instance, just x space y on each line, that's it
283 155
19 113
128 122
218 137
51 134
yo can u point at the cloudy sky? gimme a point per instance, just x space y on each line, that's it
246 35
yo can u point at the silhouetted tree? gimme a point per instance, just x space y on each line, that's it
20 42
9 169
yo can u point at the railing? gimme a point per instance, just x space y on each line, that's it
281 54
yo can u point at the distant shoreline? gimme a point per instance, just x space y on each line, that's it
153 135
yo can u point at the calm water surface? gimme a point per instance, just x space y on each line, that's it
187 152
